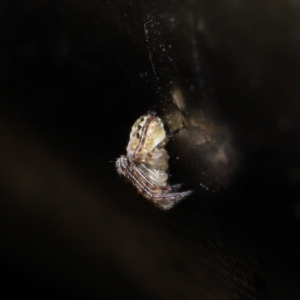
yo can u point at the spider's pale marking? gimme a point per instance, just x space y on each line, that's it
145 166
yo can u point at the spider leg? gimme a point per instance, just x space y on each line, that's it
168 200
130 171
161 196
175 187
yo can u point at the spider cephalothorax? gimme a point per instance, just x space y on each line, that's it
146 164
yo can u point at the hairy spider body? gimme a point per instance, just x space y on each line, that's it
146 164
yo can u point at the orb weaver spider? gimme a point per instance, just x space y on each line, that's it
145 165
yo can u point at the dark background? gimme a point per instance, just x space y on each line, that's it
75 75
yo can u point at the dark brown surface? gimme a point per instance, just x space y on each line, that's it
74 77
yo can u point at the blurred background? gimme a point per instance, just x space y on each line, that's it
75 75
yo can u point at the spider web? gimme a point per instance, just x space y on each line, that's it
175 53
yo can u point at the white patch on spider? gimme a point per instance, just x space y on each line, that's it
145 166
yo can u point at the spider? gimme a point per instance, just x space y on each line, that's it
146 164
